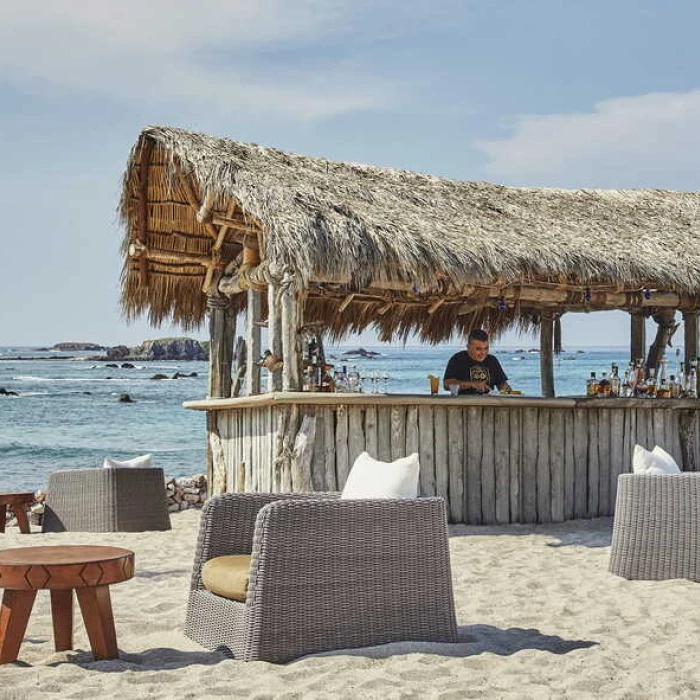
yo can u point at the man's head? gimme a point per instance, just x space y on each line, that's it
478 345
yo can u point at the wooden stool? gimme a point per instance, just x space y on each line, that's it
19 502
90 570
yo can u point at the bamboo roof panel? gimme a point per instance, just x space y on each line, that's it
358 223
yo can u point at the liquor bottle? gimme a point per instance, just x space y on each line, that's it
679 366
664 390
632 377
663 371
651 383
615 382
604 386
674 386
692 391
626 390
592 386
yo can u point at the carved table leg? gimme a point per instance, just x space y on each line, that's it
21 515
62 614
14 616
96 607
3 515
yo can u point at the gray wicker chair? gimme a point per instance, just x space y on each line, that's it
656 531
118 499
325 574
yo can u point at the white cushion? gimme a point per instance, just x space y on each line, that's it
370 478
142 461
671 464
645 462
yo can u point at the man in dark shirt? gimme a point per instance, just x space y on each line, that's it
473 369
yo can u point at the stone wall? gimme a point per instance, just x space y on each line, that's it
187 492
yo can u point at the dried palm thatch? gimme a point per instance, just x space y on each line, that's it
420 253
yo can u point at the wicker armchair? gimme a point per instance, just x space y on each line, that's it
118 499
656 531
325 574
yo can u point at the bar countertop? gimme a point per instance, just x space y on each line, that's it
280 398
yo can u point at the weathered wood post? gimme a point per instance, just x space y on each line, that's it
222 331
638 340
666 327
291 380
274 333
690 330
253 315
547 355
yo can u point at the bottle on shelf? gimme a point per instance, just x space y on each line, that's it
626 389
604 386
674 387
592 386
615 381
354 382
679 366
692 390
651 383
640 388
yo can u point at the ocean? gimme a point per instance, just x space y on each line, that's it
67 414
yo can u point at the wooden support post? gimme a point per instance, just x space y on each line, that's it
253 342
638 342
690 330
557 336
290 354
547 355
222 331
666 327
274 334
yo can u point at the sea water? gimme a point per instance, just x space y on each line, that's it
67 413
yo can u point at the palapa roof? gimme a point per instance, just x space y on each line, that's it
420 253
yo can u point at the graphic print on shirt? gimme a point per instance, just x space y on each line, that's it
479 373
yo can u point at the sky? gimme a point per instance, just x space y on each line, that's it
537 93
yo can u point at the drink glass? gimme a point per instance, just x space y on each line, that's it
454 389
434 384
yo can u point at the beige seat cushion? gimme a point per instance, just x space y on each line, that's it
227 576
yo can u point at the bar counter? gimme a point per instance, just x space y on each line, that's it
495 459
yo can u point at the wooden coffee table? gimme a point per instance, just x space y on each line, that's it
19 502
89 570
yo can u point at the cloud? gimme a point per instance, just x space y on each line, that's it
643 141
210 54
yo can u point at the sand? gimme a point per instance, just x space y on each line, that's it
539 616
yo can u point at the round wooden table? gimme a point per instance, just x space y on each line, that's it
89 570
19 502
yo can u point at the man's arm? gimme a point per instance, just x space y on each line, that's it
481 387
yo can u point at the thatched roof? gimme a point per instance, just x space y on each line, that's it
360 228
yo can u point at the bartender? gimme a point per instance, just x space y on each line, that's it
473 369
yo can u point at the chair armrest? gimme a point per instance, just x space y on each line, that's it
228 523
344 573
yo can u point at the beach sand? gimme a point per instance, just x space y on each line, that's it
539 617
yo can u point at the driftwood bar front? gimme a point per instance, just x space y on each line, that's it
494 459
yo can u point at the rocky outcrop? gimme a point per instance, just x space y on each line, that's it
161 349
170 349
70 347
118 352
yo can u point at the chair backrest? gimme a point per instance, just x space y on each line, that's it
328 574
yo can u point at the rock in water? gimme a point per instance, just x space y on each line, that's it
159 376
125 398
171 349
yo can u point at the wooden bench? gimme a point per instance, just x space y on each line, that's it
18 503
